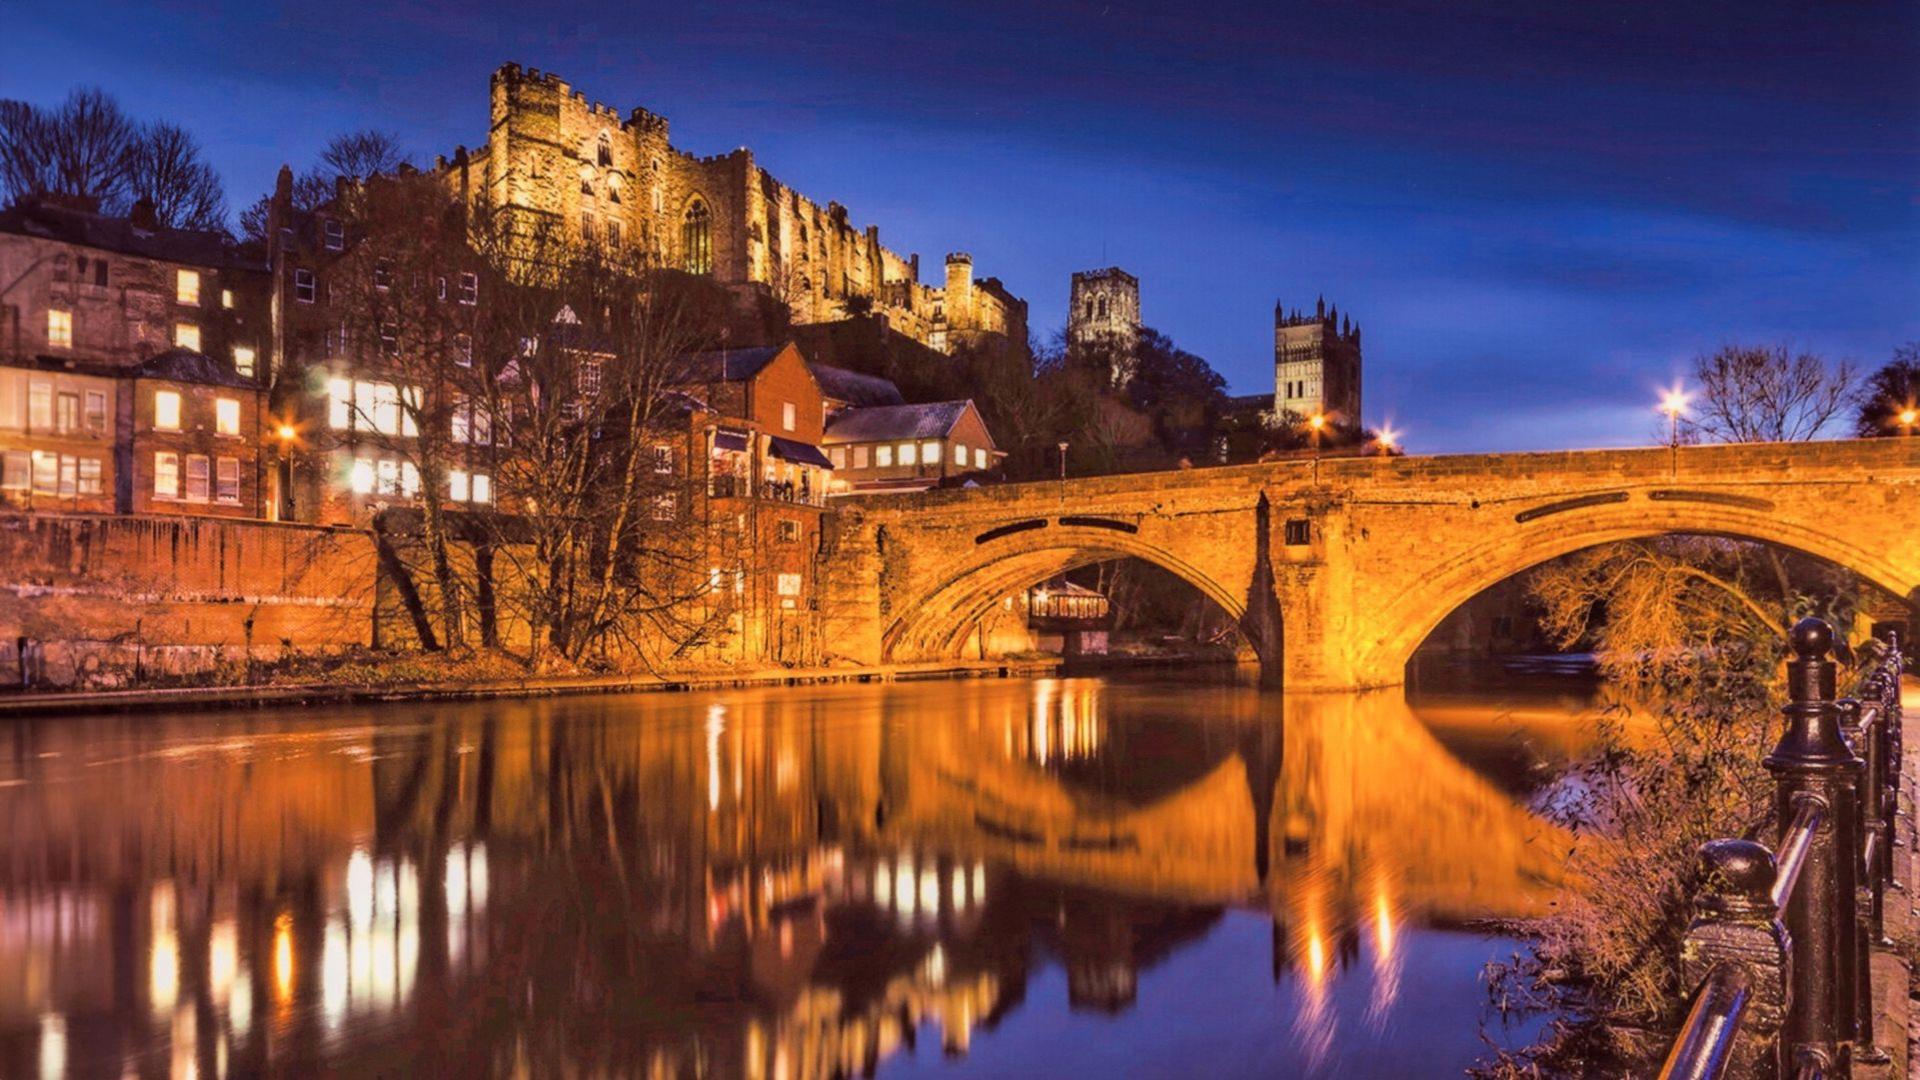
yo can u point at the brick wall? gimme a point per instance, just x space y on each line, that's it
104 597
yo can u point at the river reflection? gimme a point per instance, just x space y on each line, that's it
1023 876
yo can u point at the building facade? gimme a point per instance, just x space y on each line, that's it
902 448
1316 364
98 315
1104 310
618 179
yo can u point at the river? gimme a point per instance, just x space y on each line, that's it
1129 875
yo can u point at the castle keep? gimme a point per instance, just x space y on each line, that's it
619 180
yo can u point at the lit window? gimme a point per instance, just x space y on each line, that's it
482 488
46 472
197 477
930 452
186 287
838 455
166 410
960 454
883 456
227 477
979 458
40 406
787 585
226 298
186 335
696 240
66 417
15 470
97 411
409 425
663 459
859 457
90 477
665 506
388 474
303 287
469 288
69 474
226 416
339 404
243 358
362 476
166 475
59 328
409 479
908 454
788 415
457 487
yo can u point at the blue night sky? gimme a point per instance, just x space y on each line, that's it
1539 212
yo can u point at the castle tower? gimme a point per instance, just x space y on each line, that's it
1104 307
1316 364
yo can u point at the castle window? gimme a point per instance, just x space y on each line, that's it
606 149
1103 307
586 181
1298 532
613 187
613 234
696 239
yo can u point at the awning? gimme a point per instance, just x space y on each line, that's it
730 440
799 453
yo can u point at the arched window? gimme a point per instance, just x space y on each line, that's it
613 187
586 181
1103 307
606 149
696 239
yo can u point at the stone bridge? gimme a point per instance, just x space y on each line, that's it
1338 569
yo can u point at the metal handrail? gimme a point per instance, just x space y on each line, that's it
1809 814
1705 1046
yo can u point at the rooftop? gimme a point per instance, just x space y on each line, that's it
932 420
856 388
51 220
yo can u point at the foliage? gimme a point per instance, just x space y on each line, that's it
1888 392
1767 393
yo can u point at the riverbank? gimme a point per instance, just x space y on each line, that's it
28 705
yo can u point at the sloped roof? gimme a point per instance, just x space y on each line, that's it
51 221
932 420
731 365
856 388
188 366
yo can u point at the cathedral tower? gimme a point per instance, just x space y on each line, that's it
1316 364
1104 307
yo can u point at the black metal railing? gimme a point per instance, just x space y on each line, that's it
1779 952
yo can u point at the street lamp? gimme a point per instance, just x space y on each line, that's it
1388 439
1674 403
1908 417
1315 425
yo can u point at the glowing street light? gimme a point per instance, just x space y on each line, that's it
1388 439
1908 417
1674 404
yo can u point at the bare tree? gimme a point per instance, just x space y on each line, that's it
363 155
1768 394
81 149
408 296
1890 398
165 168
587 347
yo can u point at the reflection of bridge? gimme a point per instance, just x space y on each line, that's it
1359 557
817 872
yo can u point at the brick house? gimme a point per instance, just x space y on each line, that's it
190 438
891 448
87 303
758 481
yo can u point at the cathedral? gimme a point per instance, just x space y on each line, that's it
618 180
1316 364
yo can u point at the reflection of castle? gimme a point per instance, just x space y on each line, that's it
755 885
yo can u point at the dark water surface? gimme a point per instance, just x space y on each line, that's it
1122 876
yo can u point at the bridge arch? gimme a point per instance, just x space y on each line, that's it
934 624
1443 588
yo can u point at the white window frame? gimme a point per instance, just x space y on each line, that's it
305 288
197 464
166 474
226 481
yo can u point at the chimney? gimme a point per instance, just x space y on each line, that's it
142 215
